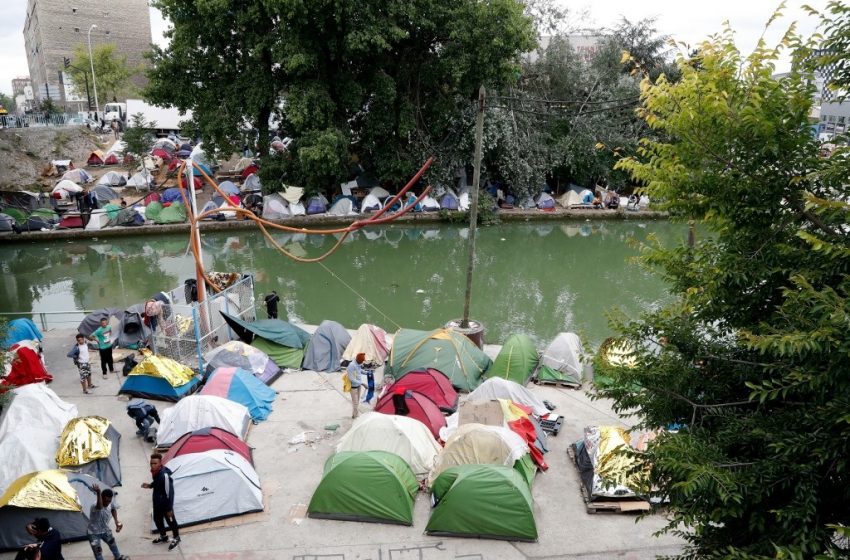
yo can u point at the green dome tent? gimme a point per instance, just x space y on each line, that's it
373 486
174 214
483 501
445 350
516 361
283 342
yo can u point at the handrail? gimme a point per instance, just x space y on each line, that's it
41 317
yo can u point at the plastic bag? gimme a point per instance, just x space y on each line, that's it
346 383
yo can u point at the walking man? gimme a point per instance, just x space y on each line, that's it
103 335
163 502
354 371
271 304
98 528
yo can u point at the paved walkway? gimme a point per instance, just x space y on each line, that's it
289 474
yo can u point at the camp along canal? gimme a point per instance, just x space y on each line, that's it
537 278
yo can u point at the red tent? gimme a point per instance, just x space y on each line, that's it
26 367
152 197
206 439
71 221
248 170
111 159
159 152
415 405
95 158
432 383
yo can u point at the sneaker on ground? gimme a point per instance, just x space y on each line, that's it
173 544
160 540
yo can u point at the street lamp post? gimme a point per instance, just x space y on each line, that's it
93 79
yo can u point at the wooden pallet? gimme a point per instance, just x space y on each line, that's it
607 505
557 383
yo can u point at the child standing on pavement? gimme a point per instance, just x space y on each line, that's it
80 354
98 528
103 335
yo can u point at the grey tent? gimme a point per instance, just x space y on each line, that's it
92 321
133 333
41 489
326 347
112 179
104 193
107 469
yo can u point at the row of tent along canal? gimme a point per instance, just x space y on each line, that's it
232 397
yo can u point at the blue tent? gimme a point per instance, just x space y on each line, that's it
241 386
449 201
170 195
197 172
21 329
156 388
316 206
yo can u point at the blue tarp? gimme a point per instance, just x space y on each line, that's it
156 388
197 172
238 385
21 329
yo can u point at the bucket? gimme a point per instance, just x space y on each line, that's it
475 331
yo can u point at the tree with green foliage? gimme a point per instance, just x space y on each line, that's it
8 103
111 70
750 357
139 139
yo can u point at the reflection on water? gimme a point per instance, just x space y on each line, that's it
534 278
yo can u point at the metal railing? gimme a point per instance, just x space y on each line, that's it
26 121
48 320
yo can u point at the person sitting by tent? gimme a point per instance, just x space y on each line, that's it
98 528
597 202
80 355
49 545
411 201
145 414
633 203
612 200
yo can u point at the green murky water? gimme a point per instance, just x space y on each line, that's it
537 278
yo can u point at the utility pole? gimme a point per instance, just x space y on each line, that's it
473 206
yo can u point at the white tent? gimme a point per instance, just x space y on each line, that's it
342 207
112 179
463 202
544 200
252 183
202 411
429 204
275 207
499 388
79 175
406 437
369 340
140 180
213 485
575 196
199 156
371 203
297 209
379 192
99 219
292 194
242 164
67 186
564 354
29 431
477 444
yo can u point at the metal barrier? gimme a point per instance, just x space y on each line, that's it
25 121
47 320
187 330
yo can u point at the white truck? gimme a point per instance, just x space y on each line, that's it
115 111
165 119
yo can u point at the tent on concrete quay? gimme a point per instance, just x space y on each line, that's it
326 347
132 332
283 342
483 501
430 382
63 497
90 445
202 411
400 435
370 204
206 439
160 378
516 361
25 365
213 485
561 361
241 386
498 388
21 329
414 405
442 349
478 444
91 322
348 489
369 340
244 356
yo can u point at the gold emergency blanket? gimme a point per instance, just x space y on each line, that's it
159 366
82 441
617 468
43 489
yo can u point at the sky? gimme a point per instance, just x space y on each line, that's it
685 21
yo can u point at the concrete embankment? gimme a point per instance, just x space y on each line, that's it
325 221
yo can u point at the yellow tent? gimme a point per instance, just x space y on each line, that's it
159 366
83 440
44 490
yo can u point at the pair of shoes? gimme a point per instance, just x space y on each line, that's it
105 376
174 543
122 557
93 387
160 540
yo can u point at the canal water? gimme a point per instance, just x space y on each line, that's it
534 278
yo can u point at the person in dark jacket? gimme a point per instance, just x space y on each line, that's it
49 543
163 502
271 304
